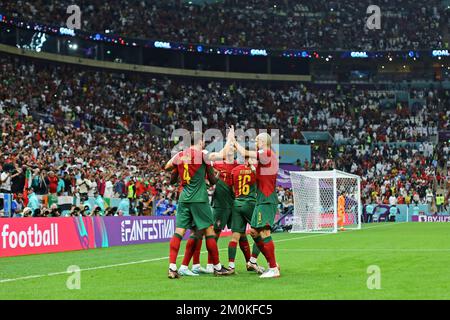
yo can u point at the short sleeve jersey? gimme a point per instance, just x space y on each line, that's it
192 170
244 183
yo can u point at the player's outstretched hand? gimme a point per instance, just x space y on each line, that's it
230 136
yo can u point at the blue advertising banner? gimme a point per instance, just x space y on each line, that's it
290 153
7 204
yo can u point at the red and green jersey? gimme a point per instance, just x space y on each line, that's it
266 177
244 183
192 170
223 193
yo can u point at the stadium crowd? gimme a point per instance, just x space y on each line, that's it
321 24
72 131
113 101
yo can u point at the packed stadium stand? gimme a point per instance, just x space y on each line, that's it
89 126
319 24
71 129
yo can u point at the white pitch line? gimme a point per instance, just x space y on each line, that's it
86 269
163 258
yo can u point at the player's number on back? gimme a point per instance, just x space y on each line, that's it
244 188
186 176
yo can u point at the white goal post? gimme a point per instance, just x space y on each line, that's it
326 201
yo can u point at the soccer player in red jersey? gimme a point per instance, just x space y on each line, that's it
244 187
222 201
266 199
193 208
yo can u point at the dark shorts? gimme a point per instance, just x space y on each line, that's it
196 214
222 218
264 215
241 216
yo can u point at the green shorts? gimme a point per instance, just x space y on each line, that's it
222 218
241 216
264 215
196 214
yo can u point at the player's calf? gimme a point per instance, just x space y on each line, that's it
190 250
232 248
265 244
245 246
211 245
174 248
210 265
232 254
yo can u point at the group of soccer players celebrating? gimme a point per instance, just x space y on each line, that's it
244 193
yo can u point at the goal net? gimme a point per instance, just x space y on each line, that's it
325 201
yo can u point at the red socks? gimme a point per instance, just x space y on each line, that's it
268 250
245 248
198 248
174 248
232 251
189 252
213 251
260 244
210 258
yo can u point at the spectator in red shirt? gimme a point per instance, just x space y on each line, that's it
140 187
101 184
52 182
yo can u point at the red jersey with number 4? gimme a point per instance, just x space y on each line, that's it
192 170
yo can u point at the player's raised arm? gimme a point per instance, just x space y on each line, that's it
252 162
170 165
214 156
245 153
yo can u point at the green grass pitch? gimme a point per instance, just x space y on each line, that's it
413 258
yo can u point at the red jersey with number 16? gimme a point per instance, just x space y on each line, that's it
244 183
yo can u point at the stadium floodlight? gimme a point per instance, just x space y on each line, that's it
325 201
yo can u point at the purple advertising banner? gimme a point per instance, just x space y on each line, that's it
286 220
428 218
137 230
284 175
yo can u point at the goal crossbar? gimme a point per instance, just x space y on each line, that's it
325 174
